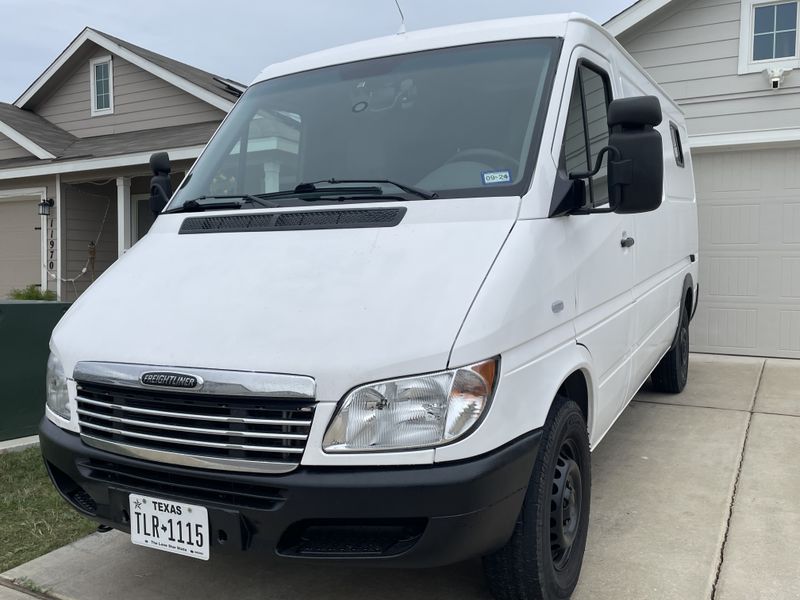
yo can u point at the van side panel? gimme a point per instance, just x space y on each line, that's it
665 240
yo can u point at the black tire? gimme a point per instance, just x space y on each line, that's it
672 373
542 560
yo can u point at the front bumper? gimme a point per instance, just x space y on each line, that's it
410 516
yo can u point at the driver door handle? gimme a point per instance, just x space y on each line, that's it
627 242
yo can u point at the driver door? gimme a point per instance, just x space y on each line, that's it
604 267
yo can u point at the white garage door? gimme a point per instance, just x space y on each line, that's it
20 244
749 208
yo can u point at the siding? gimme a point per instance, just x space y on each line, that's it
10 149
141 101
692 50
84 208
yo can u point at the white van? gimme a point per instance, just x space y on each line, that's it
406 288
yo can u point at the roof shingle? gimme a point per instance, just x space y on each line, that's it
37 129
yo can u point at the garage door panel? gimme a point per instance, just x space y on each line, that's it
766 277
749 219
748 329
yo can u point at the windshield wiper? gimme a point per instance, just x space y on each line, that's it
196 206
312 187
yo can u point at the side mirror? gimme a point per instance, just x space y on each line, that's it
160 184
636 155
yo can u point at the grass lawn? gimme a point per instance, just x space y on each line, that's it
33 518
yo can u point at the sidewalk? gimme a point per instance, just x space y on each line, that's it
695 497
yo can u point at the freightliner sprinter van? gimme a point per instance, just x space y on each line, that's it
407 288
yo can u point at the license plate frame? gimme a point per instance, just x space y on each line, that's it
170 526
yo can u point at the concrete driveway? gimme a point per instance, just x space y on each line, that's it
695 496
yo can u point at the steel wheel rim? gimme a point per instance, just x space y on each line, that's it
566 500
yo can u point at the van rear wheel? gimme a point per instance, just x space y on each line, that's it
672 373
543 558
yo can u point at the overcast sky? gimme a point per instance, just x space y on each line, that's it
235 38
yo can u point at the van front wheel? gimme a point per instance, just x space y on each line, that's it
542 560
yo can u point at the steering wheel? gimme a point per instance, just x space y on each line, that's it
487 156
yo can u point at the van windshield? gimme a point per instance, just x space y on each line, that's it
460 121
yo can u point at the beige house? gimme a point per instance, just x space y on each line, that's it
734 67
81 135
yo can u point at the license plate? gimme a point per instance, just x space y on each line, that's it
169 526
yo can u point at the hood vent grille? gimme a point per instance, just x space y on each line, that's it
292 221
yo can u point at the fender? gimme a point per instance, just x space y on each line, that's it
526 391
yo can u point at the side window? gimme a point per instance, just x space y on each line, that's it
587 129
677 147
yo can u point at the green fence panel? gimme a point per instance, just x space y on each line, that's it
25 329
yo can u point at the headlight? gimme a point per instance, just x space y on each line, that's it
57 395
414 412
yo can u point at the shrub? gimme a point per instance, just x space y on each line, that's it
32 292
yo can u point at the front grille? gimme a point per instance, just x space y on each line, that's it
205 488
351 538
226 432
84 501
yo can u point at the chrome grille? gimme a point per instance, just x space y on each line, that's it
215 431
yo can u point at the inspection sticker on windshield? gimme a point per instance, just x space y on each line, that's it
169 526
493 177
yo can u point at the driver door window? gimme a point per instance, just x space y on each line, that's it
587 130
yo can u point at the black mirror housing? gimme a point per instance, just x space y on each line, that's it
160 184
636 159
634 113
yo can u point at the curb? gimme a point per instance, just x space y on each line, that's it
19 444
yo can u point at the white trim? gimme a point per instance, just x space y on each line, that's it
746 63
41 193
98 112
123 215
631 16
91 164
744 138
59 227
32 147
15 193
43 252
93 36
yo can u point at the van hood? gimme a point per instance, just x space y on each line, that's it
344 306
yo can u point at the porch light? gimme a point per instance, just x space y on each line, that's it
44 207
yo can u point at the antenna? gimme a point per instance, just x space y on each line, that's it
402 29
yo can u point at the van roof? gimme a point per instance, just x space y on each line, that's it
428 39
554 25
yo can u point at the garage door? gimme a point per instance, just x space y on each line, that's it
20 244
749 210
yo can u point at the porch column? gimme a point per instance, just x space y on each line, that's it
123 214
272 176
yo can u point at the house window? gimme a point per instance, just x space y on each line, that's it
768 36
102 85
775 31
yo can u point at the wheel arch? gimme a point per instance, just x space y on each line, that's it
687 303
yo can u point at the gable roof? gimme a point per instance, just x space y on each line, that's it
634 14
115 150
216 91
37 135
